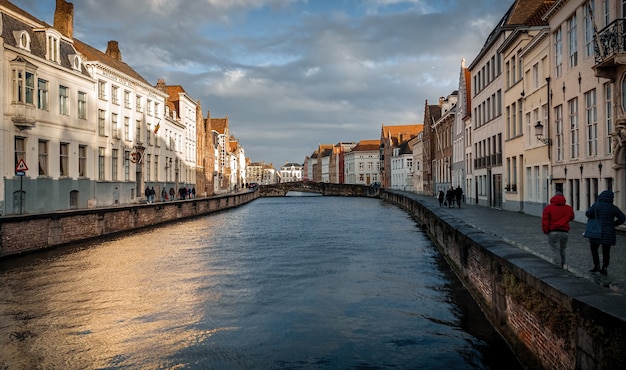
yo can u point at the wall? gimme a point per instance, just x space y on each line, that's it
27 233
550 321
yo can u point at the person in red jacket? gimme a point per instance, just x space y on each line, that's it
555 224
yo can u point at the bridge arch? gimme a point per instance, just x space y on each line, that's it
281 189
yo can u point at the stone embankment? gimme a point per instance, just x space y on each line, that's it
551 318
28 233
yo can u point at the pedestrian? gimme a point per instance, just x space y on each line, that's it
450 196
610 216
147 194
172 194
193 192
458 193
440 197
555 224
163 195
152 194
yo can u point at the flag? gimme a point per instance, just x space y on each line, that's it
157 127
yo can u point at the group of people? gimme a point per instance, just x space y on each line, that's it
451 196
183 193
555 224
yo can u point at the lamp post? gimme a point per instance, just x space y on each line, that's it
539 134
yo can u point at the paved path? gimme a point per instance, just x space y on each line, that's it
524 231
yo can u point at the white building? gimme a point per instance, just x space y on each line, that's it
402 167
362 163
290 172
91 131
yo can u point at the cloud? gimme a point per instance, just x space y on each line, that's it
291 74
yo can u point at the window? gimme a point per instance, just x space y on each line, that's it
608 103
100 163
102 85
42 94
126 99
156 167
588 9
114 162
138 131
573 41
23 86
591 118
82 160
558 122
126 165
148 136
24 40
20 150
114 95
101 122
126 128
148 167
536 76
82 105
558 52
115 130
574 134
64 97
43 158
149 107
138 103
52 51
64 160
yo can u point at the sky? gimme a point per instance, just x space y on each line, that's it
293 74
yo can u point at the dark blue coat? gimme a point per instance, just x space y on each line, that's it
609 215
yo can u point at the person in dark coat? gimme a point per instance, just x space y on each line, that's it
555 224
450 197
458 193
440 197
610 216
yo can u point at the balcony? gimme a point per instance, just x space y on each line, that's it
610 49
23 115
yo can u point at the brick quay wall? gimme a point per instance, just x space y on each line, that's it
550 318
29 233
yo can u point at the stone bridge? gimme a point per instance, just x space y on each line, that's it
323 188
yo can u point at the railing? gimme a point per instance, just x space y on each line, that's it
610 40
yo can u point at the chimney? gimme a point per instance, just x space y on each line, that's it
64 18
161 85
113 50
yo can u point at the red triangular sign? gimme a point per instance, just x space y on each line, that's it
21 166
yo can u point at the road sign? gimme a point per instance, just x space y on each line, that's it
21 166
20 173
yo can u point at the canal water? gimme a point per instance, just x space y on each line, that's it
281 283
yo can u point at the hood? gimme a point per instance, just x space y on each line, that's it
606 196
558 200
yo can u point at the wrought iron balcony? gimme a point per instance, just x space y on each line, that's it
610 48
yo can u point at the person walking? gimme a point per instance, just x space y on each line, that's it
610 216
458 193
555 224
450 196
440 197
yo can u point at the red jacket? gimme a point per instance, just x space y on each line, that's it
557 215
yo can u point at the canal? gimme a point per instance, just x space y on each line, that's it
301 282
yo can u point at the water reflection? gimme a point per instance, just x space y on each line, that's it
300 282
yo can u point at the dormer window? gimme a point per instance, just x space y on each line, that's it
75 61
53 47
23 39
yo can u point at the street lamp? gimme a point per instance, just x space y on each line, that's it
539 134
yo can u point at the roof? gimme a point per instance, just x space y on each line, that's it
90 53
219 125
529 12
367 145
401 133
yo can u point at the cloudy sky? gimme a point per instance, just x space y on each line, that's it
291 74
